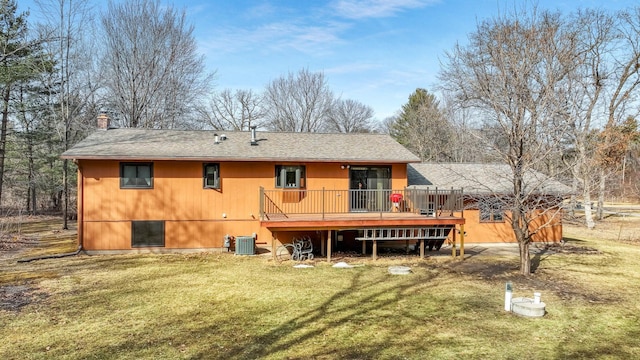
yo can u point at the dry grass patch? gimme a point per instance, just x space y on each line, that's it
220 306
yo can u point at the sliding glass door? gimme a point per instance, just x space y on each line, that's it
370 187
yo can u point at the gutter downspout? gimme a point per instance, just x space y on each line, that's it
54 256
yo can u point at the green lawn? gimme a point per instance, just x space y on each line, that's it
219 306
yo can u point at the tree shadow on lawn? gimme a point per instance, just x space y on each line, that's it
311 327
501 269
341 308
355 303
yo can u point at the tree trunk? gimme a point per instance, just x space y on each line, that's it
572 200
601 190
3 133
525 258
31 193
519 226
622 182
588 215
27 208
33 200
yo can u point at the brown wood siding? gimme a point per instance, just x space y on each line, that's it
399 176
502 232
107 235
194 217
200 218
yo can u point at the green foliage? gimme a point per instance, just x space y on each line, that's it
14 47
30 165
423 128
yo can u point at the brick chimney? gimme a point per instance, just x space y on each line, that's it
103 121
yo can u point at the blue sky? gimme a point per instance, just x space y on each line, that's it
374 51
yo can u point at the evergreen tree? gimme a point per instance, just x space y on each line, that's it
422 127
16 65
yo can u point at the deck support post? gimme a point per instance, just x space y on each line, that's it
375 249
364 247
453 245
421 248
329 245
461 241
274 237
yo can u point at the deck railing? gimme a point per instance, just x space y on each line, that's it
429 202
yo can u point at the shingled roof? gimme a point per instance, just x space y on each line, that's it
479 178
141 144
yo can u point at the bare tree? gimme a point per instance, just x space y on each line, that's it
602 86
154 74
623 97
350 116
386 126
298 102
465 140
594 33
510 72
71 87
238 110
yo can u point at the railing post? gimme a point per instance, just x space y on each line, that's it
261 203
454 203
436 204
323 194
461 202
379 201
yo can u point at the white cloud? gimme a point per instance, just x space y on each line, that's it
351 68
360 9
277 36
260 11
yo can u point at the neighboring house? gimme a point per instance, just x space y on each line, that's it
172 190
486 189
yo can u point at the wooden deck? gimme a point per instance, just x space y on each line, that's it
355 221
329 223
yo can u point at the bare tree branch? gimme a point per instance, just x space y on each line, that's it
155 76
237 110
350 116
298 102
510 72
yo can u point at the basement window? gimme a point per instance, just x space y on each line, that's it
491 211
136 175
212 176
290 177
147 233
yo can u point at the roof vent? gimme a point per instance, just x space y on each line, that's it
223 137
216 140
254 141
